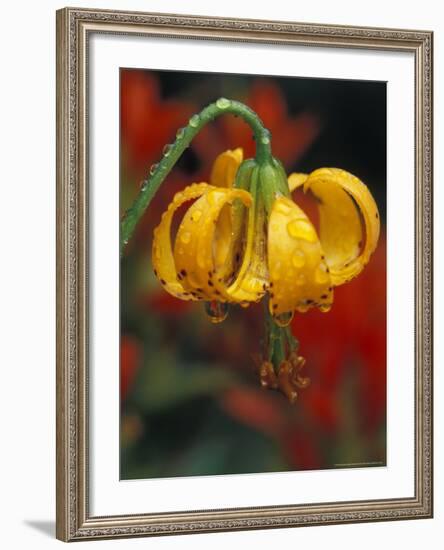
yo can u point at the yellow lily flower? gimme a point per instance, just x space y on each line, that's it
244 236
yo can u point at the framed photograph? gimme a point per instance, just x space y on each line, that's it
244 274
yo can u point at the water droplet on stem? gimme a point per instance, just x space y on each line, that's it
223 103
194 121
167 150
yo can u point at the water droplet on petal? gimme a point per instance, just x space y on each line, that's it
325 308
216 311
211 197
300 279
167 150
194 121
301 229
245 304
282 207
201 261
196 215
298 259
185 237
292 228
223 103
307 232
284 319
153 169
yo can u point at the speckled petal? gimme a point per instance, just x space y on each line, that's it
299 276
162 254
195 246
251 281
345 206
229 246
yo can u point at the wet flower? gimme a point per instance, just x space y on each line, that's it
244 236
304 266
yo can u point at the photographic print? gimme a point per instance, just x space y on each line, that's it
252 274
244 317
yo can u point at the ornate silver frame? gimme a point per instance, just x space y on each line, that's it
74 521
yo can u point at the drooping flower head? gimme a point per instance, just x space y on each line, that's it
238 240
244 237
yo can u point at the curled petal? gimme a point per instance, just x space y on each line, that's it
194 249
296 180
345 206
223 174
229 245
225 167
299 276
251 281
162 254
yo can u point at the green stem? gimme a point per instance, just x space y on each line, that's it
173 152
279 341
292 341
274 345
